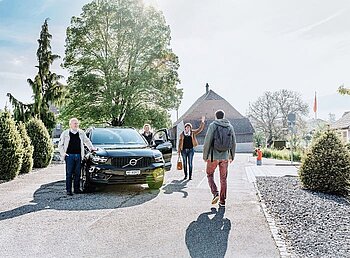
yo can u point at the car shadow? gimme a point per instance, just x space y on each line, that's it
176 186
52 196
208 237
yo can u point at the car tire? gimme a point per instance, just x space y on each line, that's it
86 185
155 185
152 184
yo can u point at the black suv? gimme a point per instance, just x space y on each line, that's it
123 156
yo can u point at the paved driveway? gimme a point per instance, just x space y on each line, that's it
38 220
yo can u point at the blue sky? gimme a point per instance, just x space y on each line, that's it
240 47
20 25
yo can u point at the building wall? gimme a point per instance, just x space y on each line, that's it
247 147
241 138
344 135
244 138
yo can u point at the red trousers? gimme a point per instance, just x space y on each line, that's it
211 166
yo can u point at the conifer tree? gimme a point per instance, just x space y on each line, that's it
46 87
326 167
27 158
43 146
11 147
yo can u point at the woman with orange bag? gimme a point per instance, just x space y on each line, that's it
187 142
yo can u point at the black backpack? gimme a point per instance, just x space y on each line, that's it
222 139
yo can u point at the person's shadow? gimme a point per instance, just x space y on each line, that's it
208 237
52 196
176 186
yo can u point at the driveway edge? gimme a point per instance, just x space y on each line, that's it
279 240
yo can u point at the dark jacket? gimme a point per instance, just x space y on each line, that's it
148 137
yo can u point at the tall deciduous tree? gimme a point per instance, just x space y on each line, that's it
122 68
264 114
46 87
269 112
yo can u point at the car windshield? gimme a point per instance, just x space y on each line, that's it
112 136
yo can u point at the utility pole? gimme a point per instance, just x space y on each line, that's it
291 125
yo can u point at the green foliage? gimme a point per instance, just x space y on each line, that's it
157 118
28 149
11 148
47 89
281 154
344 91
326 167
259 139
123 71
43 146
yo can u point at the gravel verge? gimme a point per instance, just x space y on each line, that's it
312 224
34 170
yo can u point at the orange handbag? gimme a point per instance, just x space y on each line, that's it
179 163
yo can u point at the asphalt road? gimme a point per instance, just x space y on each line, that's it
37 219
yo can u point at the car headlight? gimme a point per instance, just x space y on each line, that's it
158 159
98 159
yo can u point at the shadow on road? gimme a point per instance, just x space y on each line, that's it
208 237
176 186
52 196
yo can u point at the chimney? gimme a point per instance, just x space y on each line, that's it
207 88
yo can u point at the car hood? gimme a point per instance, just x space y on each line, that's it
126 150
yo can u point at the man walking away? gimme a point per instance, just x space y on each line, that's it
71 147
219 150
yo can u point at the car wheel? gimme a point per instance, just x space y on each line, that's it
155 185
86 185
155 181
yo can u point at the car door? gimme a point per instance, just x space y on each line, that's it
163 144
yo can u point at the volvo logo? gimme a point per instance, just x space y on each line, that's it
132 162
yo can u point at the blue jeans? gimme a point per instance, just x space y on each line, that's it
73 167
187 158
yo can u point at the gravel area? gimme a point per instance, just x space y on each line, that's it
313 224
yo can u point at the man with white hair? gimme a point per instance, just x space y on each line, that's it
71 147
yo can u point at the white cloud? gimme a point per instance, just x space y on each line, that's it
320 23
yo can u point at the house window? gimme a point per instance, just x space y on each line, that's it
345 136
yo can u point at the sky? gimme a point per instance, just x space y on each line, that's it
241 48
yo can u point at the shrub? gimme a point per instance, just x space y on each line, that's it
41 141
27 158
10 146
326 167
281 154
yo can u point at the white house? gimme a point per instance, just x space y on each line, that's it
343 126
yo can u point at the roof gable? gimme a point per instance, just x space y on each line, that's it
207 105
343 122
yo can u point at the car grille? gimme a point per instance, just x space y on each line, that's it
141 179
123 162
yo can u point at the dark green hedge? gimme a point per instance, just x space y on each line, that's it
10 146
41 141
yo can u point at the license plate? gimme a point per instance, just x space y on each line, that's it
133 172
